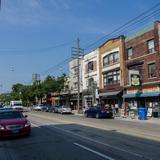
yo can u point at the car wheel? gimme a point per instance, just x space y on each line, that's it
97 115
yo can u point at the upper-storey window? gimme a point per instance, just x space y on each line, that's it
129 53
151 70
90 66
112 77
150 45
111 58
116 57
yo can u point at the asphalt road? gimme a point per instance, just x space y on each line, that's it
69 137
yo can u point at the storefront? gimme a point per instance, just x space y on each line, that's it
147 97
111 98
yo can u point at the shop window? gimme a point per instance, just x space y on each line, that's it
150 45
151 70
129 53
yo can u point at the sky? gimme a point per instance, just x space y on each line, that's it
36 36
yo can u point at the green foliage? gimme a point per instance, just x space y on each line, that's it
30 93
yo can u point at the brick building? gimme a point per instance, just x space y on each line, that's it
142 69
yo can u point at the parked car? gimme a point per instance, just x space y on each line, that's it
99 112
6 108
48 108
38 107
55 108
13 123
64 109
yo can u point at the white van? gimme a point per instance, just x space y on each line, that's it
16 105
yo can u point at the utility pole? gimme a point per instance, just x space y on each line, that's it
77 53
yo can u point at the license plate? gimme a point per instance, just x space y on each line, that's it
15 131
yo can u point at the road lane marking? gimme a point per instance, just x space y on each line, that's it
101 143
35 125
89 124
93 151
95 141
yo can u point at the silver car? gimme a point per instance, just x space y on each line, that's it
64 109
38 107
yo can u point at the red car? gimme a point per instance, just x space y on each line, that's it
13 123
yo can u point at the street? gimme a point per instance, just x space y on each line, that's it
61 137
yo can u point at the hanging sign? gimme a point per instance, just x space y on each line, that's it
135 80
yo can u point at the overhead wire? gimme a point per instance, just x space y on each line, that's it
35 50
122 29
123 26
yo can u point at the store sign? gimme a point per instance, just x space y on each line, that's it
135 80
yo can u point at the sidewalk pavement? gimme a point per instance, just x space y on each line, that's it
150 120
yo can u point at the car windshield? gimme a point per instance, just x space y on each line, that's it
17 104
10 115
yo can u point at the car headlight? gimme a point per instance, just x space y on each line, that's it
27 124
2 127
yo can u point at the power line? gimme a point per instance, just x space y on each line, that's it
56 66
124 25
38 50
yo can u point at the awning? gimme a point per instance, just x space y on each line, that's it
138 95
150 94
109 94
131 95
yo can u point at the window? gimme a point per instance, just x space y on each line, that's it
90 82
150 45
112 77
116 57
75 85
105 61
129 53
111 58
75 71
151 70
90 66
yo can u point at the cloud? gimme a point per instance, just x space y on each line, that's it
22 12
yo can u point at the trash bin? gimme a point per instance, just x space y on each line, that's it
142 113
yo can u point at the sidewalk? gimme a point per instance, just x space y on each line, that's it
150 120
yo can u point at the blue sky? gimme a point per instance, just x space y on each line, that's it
36 35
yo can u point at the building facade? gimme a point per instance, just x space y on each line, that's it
73 82
90 78
142 69
111 72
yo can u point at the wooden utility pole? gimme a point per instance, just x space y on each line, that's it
77 53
